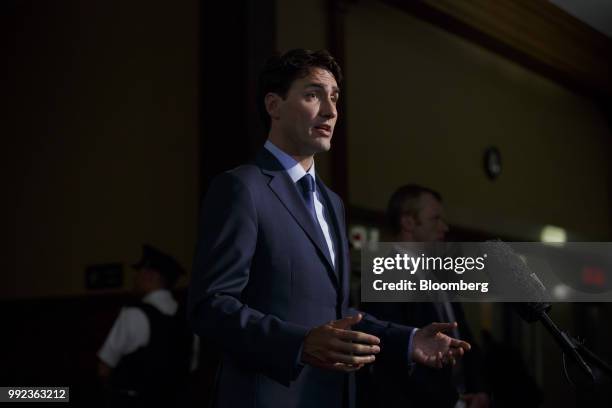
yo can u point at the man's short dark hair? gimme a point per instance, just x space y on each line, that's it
280 71
405 200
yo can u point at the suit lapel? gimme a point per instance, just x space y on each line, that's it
337 233
286 191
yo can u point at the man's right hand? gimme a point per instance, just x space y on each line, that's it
334 346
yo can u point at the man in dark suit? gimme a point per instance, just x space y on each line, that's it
416 214
270 280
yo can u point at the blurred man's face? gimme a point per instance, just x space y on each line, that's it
307 116
429 224
144 280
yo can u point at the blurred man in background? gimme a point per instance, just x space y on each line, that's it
148 353
416 214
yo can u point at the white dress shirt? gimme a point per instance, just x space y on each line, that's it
296 172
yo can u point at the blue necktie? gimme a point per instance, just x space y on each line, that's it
307 185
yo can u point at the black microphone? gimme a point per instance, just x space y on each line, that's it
508 270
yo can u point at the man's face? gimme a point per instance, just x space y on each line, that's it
143 279
429 224
307 116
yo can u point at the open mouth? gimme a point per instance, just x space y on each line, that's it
324 129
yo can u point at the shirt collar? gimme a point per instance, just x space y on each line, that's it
291 166
163 300
157 295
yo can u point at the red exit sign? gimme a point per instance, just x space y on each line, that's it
593 276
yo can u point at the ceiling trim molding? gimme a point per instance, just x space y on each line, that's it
534 33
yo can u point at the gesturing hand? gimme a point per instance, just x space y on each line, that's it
334 346
433 348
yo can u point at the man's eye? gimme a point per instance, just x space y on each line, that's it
311 95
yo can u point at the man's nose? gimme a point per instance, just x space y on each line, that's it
328 109
444 226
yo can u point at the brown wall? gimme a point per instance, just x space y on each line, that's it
105 130
425 104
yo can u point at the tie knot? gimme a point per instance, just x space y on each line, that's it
307 183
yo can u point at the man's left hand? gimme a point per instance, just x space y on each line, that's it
433 348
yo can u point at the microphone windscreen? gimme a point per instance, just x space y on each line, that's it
509 271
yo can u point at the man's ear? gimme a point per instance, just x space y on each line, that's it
407 222
273 102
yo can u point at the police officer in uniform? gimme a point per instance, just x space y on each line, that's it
147 355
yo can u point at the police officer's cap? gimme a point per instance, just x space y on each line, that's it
166 265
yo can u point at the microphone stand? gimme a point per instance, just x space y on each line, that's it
577 350
568 344
593 358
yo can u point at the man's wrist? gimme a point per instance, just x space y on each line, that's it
300 359
411 348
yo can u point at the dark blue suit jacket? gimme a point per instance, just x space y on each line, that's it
262 278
